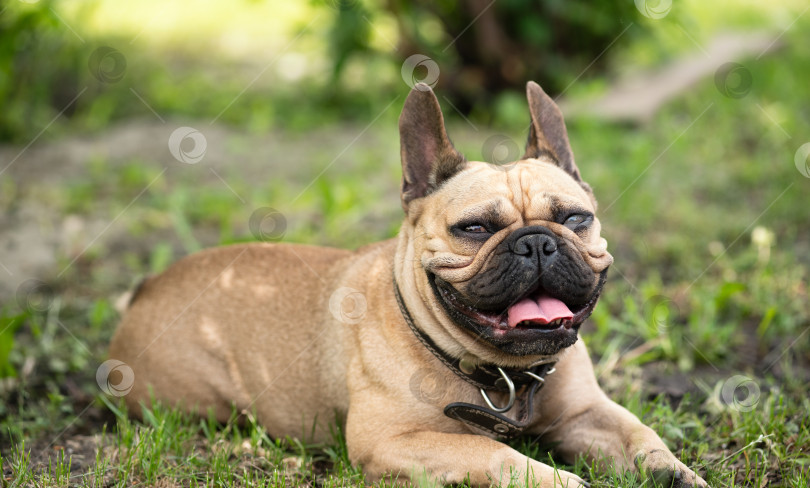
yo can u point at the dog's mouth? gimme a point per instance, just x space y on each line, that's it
537 310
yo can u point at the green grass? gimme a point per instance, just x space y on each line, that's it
709 288
169 446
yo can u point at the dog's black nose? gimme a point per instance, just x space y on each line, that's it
535 246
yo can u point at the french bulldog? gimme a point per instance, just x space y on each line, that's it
430 349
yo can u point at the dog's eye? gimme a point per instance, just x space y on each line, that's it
575 220
476 229
471 230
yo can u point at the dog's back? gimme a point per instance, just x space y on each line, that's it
219 322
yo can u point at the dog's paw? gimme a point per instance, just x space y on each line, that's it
555 479
569 480
666 470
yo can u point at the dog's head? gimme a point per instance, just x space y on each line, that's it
509 255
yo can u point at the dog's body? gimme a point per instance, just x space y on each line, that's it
494 266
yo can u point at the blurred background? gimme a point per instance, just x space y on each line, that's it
134 133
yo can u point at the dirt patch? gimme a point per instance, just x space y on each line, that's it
638 97
39 238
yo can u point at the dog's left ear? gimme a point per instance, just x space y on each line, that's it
547 135
428 156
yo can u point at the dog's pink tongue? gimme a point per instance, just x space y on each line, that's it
541 309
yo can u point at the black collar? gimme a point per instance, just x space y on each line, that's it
487 377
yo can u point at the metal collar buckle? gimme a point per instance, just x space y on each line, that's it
511 385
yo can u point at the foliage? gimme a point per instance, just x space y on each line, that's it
8 327
482 47
41 64
49 72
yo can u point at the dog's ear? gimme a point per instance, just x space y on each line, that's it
547 135
428 156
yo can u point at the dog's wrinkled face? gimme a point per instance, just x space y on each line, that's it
515 256
512 255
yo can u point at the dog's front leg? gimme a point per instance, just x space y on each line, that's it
444 458
606 431
580 418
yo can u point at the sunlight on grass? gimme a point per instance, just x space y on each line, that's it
246 29
240 29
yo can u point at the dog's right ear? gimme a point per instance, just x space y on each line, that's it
428 156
